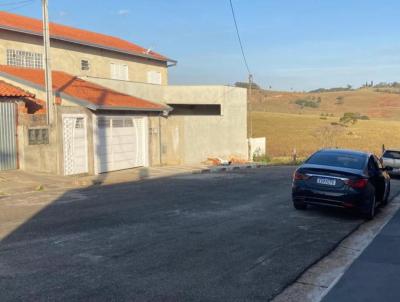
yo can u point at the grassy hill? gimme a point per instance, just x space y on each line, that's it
308 133
293 120
367 101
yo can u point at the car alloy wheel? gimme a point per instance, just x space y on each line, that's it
371 210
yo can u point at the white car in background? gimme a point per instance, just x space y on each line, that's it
391 158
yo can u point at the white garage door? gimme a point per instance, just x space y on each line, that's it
120 142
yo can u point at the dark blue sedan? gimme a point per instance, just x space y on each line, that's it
341 178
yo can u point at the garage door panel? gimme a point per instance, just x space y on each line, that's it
122 131
120 143
120 165
124 148
105 167
125 139
124 157
100 150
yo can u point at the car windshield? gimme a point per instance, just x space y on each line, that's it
336 159
391 154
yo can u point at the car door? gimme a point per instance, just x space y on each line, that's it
376 176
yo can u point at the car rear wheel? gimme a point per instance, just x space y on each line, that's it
299 205
385 200
370 213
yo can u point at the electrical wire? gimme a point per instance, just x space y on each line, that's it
239 39
15 3
8 7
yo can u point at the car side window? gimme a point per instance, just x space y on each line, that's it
372 167
378 163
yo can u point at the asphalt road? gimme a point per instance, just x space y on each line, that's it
209 237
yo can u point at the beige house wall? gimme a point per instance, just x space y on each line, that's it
193 139
49 158
67 57
223 136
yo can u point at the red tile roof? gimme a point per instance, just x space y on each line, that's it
57 31
8 90
86 93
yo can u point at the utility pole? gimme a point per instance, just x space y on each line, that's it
250 123
47 69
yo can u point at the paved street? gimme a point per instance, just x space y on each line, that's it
230 236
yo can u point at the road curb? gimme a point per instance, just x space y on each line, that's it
217 169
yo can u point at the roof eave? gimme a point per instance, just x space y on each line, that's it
79 42
79 101
168 109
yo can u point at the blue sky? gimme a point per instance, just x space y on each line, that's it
298 45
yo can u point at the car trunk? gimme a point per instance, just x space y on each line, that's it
329 178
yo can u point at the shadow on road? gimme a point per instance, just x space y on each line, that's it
221 237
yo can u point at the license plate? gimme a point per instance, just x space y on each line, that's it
326 181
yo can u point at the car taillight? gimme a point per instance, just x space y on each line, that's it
357 183
300 176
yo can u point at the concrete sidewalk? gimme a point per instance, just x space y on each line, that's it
17 182
375 275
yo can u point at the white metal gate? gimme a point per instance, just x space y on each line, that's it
75 145
8 136
120 142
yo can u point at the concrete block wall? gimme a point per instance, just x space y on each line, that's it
192 139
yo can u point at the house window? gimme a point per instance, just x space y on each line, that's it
22 58
118 123
128 122
103 122
80 123
85 65
154 77
38 136
119 71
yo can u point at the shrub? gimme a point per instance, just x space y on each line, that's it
339 100
306 103
352 117
261 158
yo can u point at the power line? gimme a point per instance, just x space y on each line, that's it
239 39
17 5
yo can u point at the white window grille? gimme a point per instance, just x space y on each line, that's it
119 72
22 58
154 77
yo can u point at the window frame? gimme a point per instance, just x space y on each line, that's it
82 65
119 71
23 58
154 77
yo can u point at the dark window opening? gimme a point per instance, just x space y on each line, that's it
188 109
85 65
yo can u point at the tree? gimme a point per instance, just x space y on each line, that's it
247 85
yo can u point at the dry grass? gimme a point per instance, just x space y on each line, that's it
377 105
287 131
